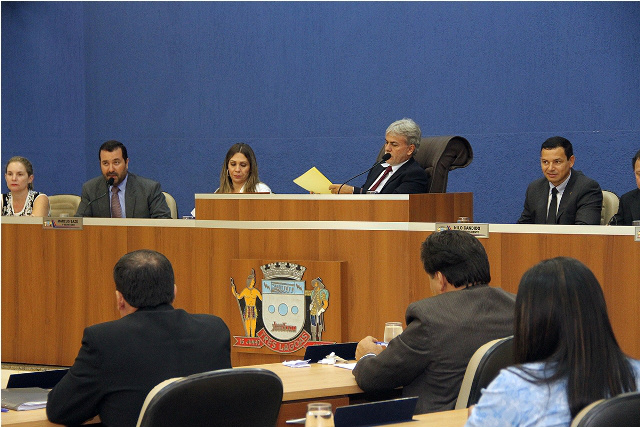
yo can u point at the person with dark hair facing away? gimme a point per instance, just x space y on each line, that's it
122 360
564 195
566 353
629 208
117 193
430 357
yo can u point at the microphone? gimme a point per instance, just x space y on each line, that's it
386 157
110 182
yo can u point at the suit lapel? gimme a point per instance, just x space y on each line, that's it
371 177
398 173
130 197
566 195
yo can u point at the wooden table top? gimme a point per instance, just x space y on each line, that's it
314 382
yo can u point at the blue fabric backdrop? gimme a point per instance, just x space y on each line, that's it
317 83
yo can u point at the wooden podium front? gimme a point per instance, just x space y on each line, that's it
432 207
57 282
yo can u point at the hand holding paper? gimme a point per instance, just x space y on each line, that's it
313 180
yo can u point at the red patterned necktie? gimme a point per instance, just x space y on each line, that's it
382 177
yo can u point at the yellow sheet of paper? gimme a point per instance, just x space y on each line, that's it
313 180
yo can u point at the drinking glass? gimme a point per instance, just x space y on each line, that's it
392 330
319 415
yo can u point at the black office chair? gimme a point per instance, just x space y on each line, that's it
621 410
484 366
242 397
440 154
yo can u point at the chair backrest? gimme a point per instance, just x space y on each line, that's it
63 204
227 397
484 366
171 202
610 203
440 154
621 410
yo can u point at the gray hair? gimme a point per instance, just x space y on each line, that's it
407 128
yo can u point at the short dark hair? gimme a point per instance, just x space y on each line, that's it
635 159
111 146
145 278
561 320
458 255
558 141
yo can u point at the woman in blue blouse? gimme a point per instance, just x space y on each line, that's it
566 352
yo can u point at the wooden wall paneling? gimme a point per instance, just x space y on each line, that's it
622 292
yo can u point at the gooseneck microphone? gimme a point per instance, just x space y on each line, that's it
110 182
386 157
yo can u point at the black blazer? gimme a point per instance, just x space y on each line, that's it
121 361
409 179
143 199
581 202
629 209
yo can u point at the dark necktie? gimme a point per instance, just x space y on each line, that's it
553 207
382 177
116 209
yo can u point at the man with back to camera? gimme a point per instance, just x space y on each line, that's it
128 196
400 174
564 195
629 208
122 360
430 357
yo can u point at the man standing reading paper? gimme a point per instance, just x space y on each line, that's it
122 360
430 357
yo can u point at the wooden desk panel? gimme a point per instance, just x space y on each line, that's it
433 207
59 281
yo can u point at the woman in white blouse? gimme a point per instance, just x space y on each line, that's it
239 172
22 200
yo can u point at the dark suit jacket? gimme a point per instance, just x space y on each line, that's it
629 209
430 357
409 179
121 361
581 202
143 199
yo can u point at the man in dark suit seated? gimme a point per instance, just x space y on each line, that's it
400 174
430 357
564 195
122 360
629 208
118 193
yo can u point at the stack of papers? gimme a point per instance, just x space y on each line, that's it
24 399
297 363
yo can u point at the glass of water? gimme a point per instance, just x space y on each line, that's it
319 415
392 330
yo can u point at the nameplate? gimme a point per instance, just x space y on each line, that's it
637 234
477 230
62 223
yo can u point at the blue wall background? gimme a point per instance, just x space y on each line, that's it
316 84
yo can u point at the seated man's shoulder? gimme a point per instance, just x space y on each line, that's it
584 179
141 180
630 195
